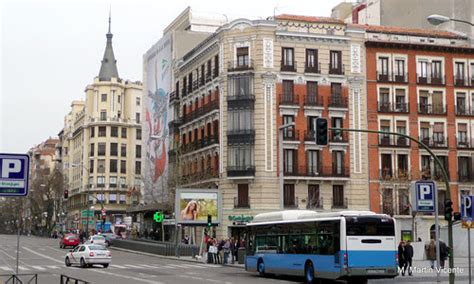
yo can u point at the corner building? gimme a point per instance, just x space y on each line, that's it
236 88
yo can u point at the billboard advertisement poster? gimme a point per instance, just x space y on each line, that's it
157 87
194 205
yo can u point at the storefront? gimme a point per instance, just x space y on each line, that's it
238 229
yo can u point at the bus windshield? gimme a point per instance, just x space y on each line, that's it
369 226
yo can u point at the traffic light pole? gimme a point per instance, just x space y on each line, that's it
445 177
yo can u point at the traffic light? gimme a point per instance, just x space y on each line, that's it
457 216
321 131
209 220
448 210
66 194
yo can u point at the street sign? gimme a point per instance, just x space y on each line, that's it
87 213
423 194
467 211
14 172
169 221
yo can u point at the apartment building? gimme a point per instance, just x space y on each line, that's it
101 149
419 83
236 88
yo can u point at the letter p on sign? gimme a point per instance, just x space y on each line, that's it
424 191
10 166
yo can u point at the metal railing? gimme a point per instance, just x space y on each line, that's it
288 66
313 100
393 141
336 70
338 137
339 203
291 135
431 108
464 143
312 69
239 65
314 203
289 99
392 77
17 278
292 203
431 80
199 144
238 204
246 170
393 107
206 108
71 280
397 174
337 100
435 141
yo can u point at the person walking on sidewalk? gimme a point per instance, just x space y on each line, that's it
226 251
220 249
401 257
431 252
233 250
408 258
443 252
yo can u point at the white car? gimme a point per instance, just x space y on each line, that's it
97 240
89 254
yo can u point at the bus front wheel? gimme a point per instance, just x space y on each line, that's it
309 272
261 268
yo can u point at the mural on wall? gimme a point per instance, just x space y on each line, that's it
155 129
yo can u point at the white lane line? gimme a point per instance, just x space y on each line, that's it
151 266
38 267
21 267
99 271
117 266
195 266
175 265
6 268
52 266
132 266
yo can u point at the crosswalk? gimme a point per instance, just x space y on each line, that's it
45 268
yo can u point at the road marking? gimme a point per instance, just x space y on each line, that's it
21 267
117 266
151 266
175 265
38 267
5 268
132 266
195 266
52 266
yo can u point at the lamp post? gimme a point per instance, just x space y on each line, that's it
439 19
280 142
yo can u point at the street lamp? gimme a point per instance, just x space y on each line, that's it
280 142
439 19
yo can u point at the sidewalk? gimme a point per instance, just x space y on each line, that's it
182 258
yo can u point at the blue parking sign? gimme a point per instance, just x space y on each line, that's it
467 208
423 195
14 173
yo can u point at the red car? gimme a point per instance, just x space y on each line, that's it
69 240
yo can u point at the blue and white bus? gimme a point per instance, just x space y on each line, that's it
347 245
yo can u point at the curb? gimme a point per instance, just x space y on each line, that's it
169 257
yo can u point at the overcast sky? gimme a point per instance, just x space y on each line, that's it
51 50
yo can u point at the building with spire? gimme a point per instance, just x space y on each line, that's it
100 149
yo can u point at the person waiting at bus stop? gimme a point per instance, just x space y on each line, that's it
401 256
408 257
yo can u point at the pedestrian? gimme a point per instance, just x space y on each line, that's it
210 257
401 257
226 250
443 253
220 250
431 252
232 249
214 251
408 257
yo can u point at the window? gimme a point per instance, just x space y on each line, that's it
100 181
312 92
287 58
102 131
313 197
103 115
241 157
288 132
103 98
92 132
423 71
112 198
123 167
313 162
464 168
137 117
462 134
91 166
402 161
399 68
139 134
383 71
338 196
123 150
403 201
338 163
101 149
138 167
137 101
118 98
243 195
335 64
436 69
113 166
91 150
438 133
337 134
240 120
138 151
241 86
288 90
114 131
289 161
216 65
400 101
122 198
370 226
312 61
113 181
124 132
426 166
461 107
113 149
425 132
123 182
386 166
387 201
438 174
289 196
242 56
101 166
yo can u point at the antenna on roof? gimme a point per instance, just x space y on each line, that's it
110 17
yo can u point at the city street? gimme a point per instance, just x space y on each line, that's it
44 257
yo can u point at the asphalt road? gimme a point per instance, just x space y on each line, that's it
44 257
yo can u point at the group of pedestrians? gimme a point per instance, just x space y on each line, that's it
219 251
405 257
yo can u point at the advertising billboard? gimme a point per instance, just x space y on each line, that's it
157 87
194 205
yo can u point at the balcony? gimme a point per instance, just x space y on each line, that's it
240 65
463 110
338 136
199 176
205 109
313 204
288 66
431 80
241 171
208 77
241 136
316 170
240 101
388 174
393 107
465 175
431 109
337 101
313 69
464 143
199 144
395 78
310 136
336 70
435 142
242 204
290 134
313 100
393 141
289 99
339 203
291 204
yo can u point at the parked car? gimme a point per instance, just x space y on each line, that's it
69 240
97 240
88 255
